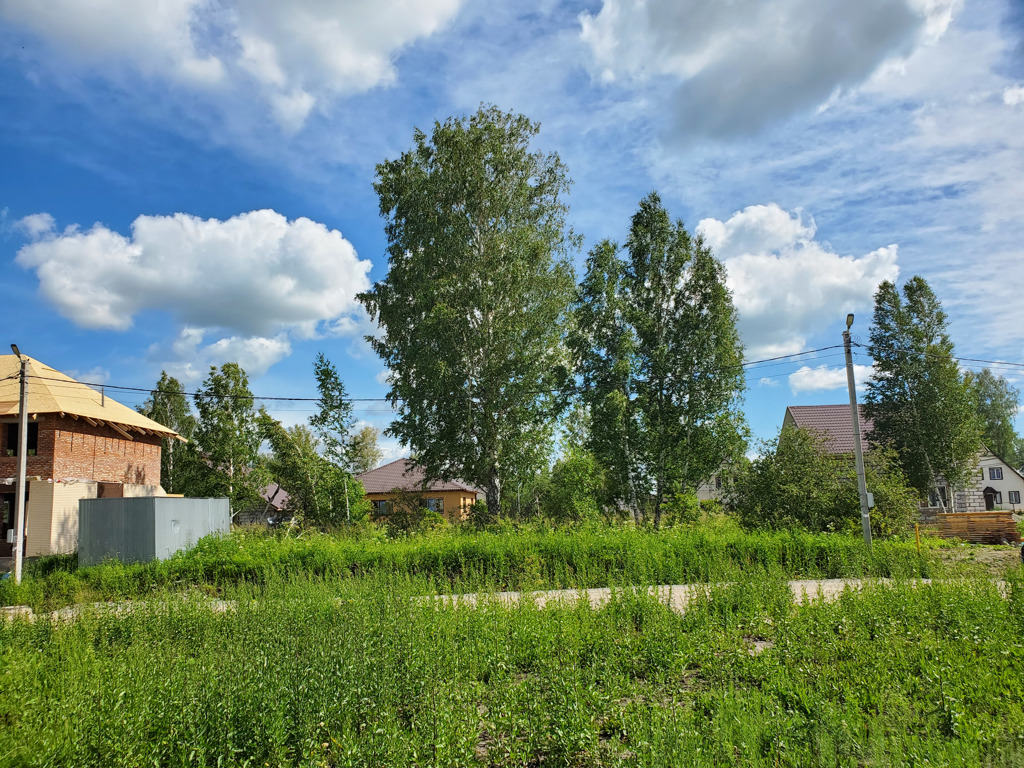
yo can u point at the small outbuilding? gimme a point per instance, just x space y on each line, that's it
143 529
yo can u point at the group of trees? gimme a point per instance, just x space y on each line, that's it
494 349
232 448
491 342
487 333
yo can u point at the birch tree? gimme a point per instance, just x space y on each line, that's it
473 309
660 360
168 405
228 437
921 406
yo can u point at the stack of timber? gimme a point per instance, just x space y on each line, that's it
979 527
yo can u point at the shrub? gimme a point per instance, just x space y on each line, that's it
796 482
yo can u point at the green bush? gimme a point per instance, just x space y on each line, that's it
795 482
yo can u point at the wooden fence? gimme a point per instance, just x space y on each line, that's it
979 527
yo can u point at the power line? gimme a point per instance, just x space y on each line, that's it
1001 363
274 398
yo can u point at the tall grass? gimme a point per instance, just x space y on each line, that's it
365 672
523 558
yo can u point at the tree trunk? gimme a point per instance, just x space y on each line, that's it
493 496
348 513
657 502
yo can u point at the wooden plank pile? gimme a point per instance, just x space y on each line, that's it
979 527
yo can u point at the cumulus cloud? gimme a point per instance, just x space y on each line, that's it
36 225
296 54
823 378
187 358
256 280
786 285
739 66
257 273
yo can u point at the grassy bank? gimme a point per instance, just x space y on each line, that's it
358 673
459 560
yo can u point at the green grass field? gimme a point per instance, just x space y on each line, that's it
320 663
530 557
364 672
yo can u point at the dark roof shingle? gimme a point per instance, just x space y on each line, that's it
404 475
833 423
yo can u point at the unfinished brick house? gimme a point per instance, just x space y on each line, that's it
81 445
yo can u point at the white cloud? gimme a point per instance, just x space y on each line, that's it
156 37
382 377
36 225
739 66
188 359
786 285
256 274
252 282
824 378
1013 96
296 54
767 381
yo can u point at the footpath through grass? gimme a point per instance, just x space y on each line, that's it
358 673
528 557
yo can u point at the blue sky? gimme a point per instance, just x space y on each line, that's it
192 185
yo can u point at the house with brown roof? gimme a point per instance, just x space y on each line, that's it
391 482
995 484
81 445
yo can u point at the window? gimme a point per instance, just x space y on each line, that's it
435 505
938 499
995 473
1014 497
11 443
999 497
718 482
381 506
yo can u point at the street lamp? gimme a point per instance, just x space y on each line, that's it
858 452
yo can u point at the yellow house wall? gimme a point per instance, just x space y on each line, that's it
38 518
456 503
51 515
64 525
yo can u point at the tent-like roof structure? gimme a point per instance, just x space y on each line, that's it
406 476
50 391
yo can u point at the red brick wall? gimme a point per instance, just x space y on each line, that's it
75 449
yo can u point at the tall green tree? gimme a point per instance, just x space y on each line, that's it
997 402
168 405
660 359
474 307
605 347
320 491
922 407
228 437
332 422
364 449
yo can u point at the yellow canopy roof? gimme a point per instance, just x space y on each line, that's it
50 391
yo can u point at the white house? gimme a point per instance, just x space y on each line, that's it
995 484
